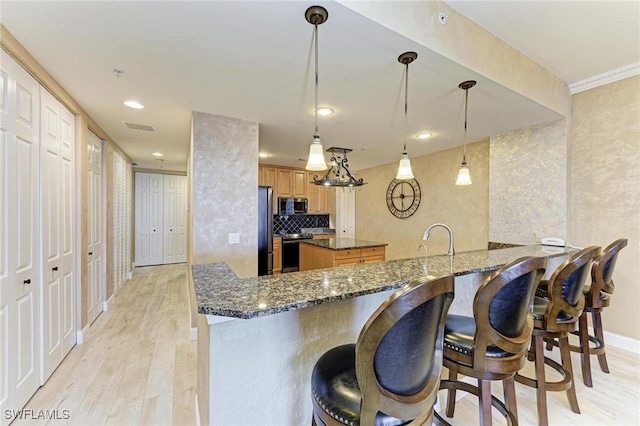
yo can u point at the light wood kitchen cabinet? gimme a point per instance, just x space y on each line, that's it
285 182
315 257
277 255
268 176
299 183
317 195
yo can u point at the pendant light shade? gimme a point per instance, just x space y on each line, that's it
316 156
404 168
464 177
316 15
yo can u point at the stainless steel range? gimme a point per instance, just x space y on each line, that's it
291 251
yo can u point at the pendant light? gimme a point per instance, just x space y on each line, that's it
316 15
464 178
404 168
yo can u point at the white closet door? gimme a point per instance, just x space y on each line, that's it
57 189
345 213
175 206
19 268
94 253
149 218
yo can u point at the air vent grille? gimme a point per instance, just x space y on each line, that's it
140 127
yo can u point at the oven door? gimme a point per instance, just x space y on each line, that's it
290 256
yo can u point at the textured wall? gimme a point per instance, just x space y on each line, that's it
527 196
224 191
463 208
605 188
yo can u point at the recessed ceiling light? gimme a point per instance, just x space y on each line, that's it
325 111
157 154
264 154
134 104
425 135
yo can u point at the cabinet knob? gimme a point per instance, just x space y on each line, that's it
170 230
27 281
55 268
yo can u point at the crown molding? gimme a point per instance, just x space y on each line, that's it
605 78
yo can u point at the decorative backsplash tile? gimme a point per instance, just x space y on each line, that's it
292 224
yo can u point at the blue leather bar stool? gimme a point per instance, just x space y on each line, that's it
390 376
597 297
492 344
554 318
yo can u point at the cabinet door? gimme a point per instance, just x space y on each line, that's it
299 183
312 191
285 186
270 178
261 176
322 199
277 255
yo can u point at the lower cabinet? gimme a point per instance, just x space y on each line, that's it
277 255
315 257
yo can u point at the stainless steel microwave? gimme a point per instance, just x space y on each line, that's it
289 206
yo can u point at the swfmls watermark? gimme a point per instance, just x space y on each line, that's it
30 414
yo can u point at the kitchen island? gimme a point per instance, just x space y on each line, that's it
327 253
259 338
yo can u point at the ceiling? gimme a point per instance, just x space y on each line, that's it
254 61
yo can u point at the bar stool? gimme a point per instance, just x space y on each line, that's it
554 318
492 344
390 376
597 297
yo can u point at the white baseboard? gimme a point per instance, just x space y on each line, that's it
193 333
620 342
82 335
105 304
197 411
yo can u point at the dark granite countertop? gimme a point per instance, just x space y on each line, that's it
220 292
342 243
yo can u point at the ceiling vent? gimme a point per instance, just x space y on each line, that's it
140 127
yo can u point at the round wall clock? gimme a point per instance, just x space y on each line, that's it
403 197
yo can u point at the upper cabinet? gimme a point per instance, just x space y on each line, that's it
289 182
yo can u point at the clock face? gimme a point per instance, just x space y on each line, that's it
403 197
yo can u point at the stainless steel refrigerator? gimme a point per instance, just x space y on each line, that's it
265 230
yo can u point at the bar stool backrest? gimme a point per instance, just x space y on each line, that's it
399 350
502 308
566 300
602 269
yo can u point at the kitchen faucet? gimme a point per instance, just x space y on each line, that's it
451 251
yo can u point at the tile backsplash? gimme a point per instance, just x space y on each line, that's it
292 224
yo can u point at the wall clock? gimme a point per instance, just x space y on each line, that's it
403 197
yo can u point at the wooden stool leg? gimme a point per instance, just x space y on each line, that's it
585 356
451 394
510 396
566 364
484 405
599 334
541 390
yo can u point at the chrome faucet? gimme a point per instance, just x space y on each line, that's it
451 251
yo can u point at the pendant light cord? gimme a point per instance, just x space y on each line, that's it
315 36
464 145
406 91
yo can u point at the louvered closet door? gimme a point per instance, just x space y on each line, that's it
95 264
57 198
175 218
19 255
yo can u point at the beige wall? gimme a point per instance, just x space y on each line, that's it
528 174
224 188
463 208
605 188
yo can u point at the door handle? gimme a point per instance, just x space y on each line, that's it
55 268
170 230
90 253
27 281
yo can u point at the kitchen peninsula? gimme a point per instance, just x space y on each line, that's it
327 253
260 337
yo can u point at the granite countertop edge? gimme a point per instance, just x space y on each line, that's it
220 292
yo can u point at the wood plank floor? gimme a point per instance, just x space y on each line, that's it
138 367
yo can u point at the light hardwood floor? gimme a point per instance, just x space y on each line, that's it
138 367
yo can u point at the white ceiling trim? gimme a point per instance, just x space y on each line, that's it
605 78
